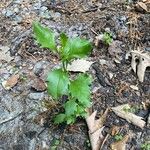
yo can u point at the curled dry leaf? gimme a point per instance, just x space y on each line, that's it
141 6
95 129
79 65
11 82
39 85
120 145
134 87
130 117
140 61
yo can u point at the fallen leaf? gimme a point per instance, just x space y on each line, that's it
142 5
134 87
5 54
11 82
39 85
120 145
130 117
95 129
79 65
140 61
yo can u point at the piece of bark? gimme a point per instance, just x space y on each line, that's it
10 82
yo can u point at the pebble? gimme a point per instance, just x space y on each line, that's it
36 96
39 66
9 13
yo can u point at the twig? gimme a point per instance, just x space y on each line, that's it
106 137
7 120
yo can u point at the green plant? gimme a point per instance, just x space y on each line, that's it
59 81
145 146
132 109
55 145
107 38
118 137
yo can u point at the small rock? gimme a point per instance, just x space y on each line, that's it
9 13
36 96
43 8
39 67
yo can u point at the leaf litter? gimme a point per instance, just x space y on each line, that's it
128 116
79 65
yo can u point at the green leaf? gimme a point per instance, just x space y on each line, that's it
63 39
70 119
76 48
58 82
80 89
70 107
44 36
59 118
81 111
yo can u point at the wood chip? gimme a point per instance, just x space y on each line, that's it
11 82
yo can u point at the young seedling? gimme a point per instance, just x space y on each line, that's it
107 38
118 137
59 81
145 146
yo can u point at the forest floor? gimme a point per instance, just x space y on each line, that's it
27 111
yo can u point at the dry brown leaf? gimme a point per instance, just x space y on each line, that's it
120 145
5 54
79 65
140 66
130 117
11 82
39 84
115 130
95 129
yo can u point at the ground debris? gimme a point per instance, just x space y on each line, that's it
79 65
130 117
5 54
95 129
140 61
11 82
120 145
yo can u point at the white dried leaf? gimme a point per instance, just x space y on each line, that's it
134 87
95 129
140 66
5 54
130 117
142 5
79 65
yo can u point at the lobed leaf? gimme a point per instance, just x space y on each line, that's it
44 36
70 107
80 89
59 118
63 39
58 82
76 48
